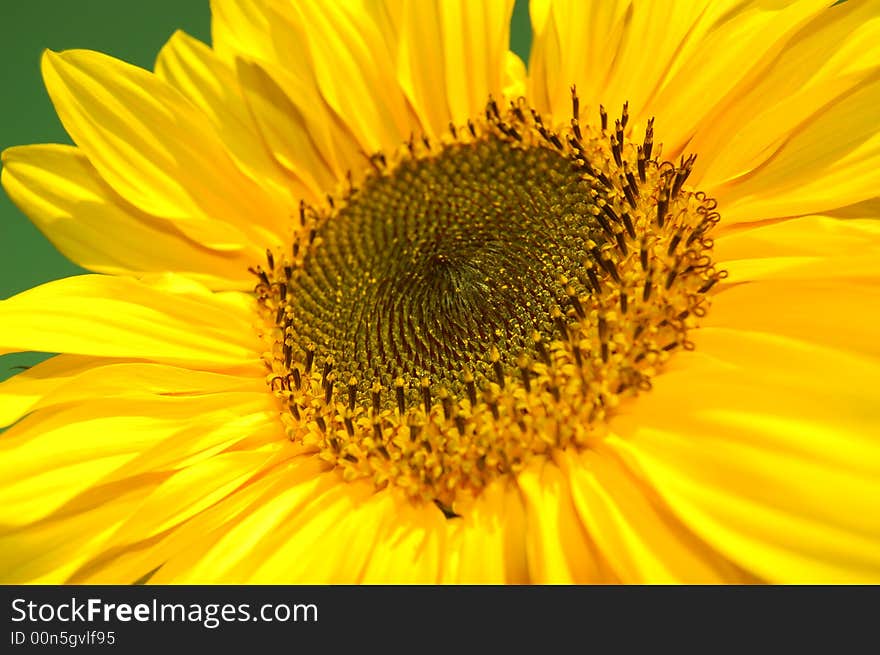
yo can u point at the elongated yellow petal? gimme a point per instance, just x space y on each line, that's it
329 541
572 43
302 548
837 148
515 76
437 41
476 36
207 81
72 378
351 60
558 548
127 318
830 58
486 544
188 492
161 556
776 471
773 136
816 311
729 45
168 554
643 543
808 249
240 27
62 193
157 150
675 61
816 279
410 547
291 70
288 131
21 392
49 552
53 457
228 543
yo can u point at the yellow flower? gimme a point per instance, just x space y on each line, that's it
377 305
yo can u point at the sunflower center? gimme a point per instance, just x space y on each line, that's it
424 272
481 301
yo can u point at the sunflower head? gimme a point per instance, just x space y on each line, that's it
376 303
467 305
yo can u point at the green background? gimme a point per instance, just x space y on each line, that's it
128 29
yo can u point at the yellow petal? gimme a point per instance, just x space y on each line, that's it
814 279
765 447
558 548
21 392
172 551
515 76
228 542
486 544
50 552
296 525
831 161
329 541
119 317
615 52
187 493
729 47
671 60
292 70
73 378
240 27
828 59
437 41
353 66
157 150
291 129
643 543
56 457
572 43
410 546
62 193
818 311
198 73
476 36
810 248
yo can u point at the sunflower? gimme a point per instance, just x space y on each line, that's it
374 302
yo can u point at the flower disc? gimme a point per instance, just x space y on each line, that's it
474 302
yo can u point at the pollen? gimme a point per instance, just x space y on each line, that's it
484 299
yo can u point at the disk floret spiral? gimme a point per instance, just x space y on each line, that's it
480 300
